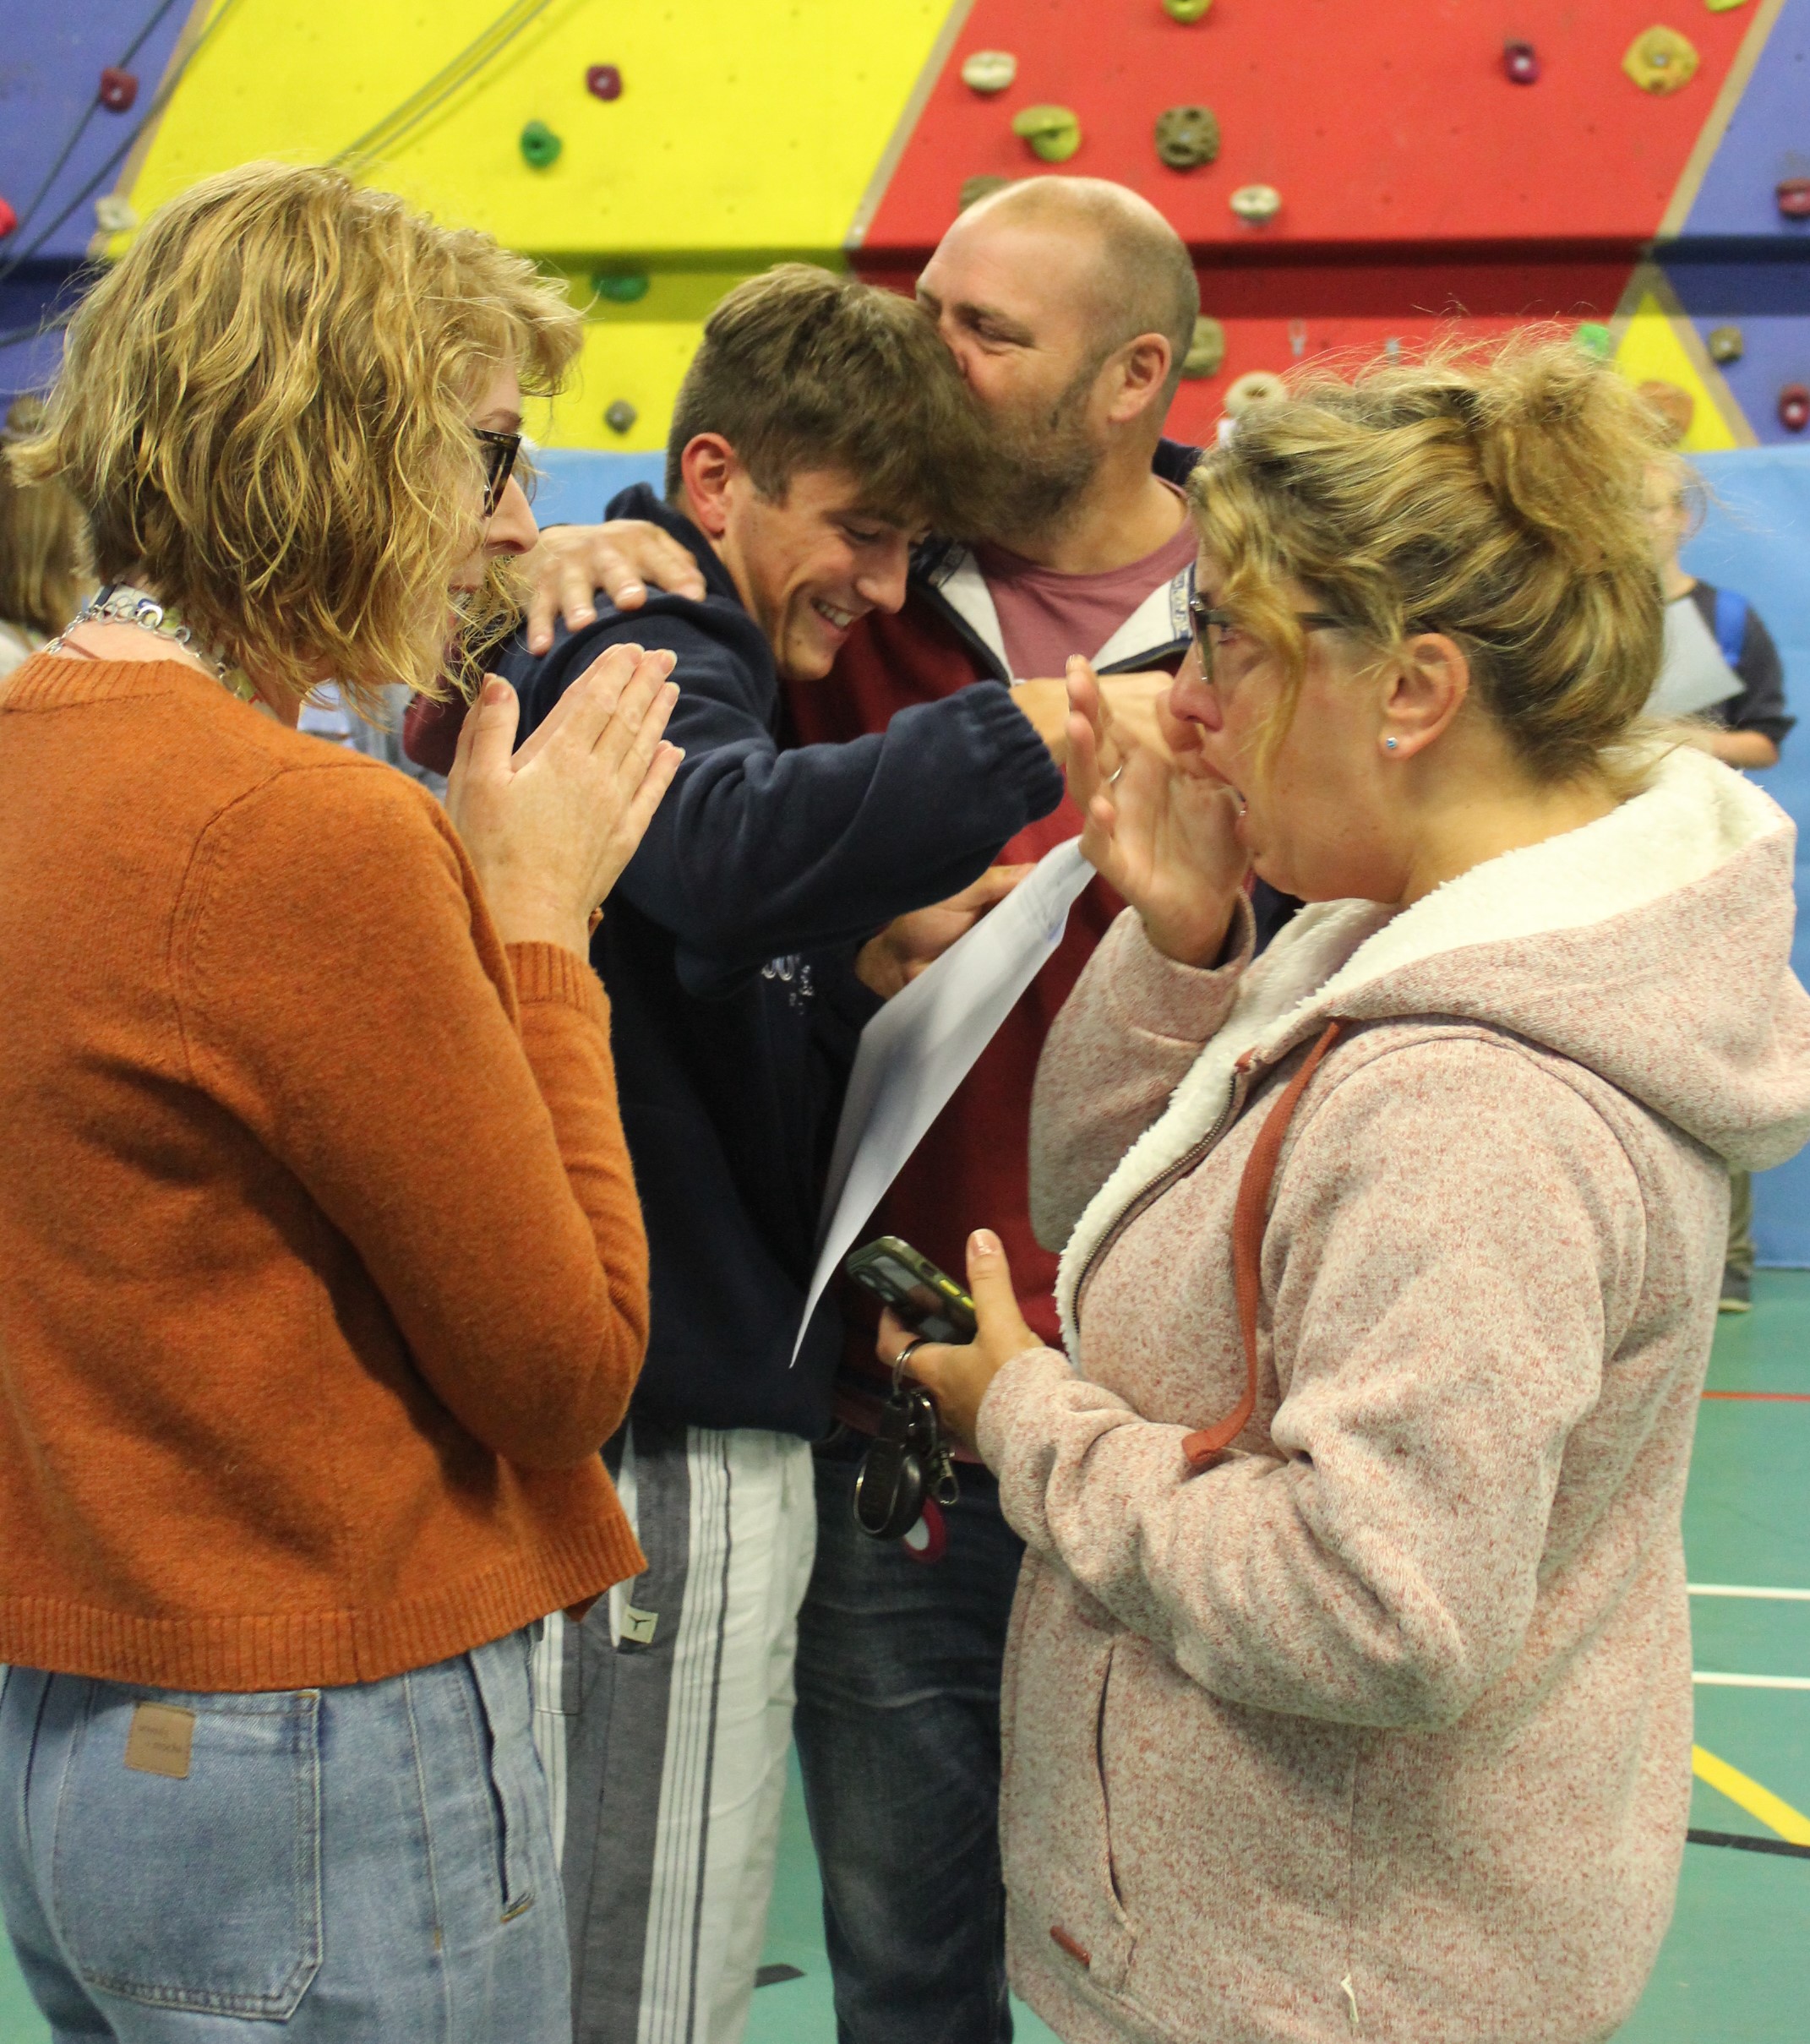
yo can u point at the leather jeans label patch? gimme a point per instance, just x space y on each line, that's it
160 1739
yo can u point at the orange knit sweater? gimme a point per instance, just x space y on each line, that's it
322 1277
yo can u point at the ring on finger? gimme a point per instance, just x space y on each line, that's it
904 1356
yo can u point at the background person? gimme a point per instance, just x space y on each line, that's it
1746 727
1351 1684
43 554
321 1274
820 426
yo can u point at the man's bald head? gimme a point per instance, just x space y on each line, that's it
1141 277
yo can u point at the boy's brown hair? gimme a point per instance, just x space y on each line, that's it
801 368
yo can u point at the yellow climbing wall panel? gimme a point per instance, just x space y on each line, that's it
1651 350
746 129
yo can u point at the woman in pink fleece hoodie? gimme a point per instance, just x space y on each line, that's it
1349 1691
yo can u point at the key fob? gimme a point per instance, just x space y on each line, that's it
890 1483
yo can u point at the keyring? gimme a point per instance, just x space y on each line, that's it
905 1354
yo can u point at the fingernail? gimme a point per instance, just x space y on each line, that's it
633 589
495 692
984 1242
584 615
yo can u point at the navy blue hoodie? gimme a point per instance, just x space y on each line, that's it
727 950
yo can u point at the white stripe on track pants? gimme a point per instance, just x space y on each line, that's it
663 1723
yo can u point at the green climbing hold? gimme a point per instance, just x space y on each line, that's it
620 287
1595 339
540 145
1052 133
1186 10
1206 355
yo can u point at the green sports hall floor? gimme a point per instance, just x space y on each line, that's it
1736 1969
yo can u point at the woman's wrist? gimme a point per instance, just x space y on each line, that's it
1196 941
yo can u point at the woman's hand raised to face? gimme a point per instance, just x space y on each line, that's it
550 827
1158 830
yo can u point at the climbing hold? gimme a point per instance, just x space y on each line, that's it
118 90
1723 6
1672 406
1187 136
989 70
1660 60
9 220
1521 63
621 416
1053 133
1206 354
1186 10
1793 195
1794 407
1254 387
114 213
1726 344
1595 339
620 287
539 145
1256 203
603 82
1297 338
974 189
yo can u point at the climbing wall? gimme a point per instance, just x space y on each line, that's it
1405 169
1359 176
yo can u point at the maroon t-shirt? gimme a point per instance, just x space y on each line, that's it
1044 617
971 1168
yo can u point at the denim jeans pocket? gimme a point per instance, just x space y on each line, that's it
502 1694
194 1882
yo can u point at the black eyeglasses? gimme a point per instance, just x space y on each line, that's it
1211 627
500 450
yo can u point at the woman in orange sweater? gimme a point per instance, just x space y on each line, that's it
322 1278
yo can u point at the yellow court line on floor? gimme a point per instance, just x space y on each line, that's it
1772 1811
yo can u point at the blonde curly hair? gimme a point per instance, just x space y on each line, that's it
266 410
1493 493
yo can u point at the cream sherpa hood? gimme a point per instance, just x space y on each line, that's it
1652 946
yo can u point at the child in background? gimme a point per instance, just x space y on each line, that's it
1745 726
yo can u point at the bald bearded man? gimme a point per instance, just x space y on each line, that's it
1068 304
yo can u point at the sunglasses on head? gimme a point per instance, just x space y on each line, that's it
1212 626
500 450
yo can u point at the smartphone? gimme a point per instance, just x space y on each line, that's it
926 1299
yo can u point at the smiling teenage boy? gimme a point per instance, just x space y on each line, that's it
812 440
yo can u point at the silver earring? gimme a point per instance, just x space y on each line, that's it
1389 744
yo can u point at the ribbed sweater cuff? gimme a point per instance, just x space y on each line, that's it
551 972
1182 1003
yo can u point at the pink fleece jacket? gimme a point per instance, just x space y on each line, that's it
1382 1726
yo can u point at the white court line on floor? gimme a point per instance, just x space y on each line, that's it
1752 1681
1746 1589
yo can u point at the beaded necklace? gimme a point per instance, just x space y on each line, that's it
121 603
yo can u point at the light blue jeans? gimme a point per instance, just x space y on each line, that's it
372 1863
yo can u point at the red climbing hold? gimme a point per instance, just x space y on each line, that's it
1794 407
603 82
1793 195
9 220
1521 63
118 88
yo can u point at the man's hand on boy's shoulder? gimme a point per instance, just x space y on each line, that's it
624 557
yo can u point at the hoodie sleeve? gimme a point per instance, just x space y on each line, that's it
1124 1041
759 851
1377 1561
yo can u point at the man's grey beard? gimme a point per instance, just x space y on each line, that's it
1041 464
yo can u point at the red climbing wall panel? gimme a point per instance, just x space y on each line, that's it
1422 190
1391 121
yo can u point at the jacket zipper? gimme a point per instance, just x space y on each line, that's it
1155 1190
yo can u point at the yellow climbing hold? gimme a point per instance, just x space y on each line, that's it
1186 10
1723 6
1660 60
1053 132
